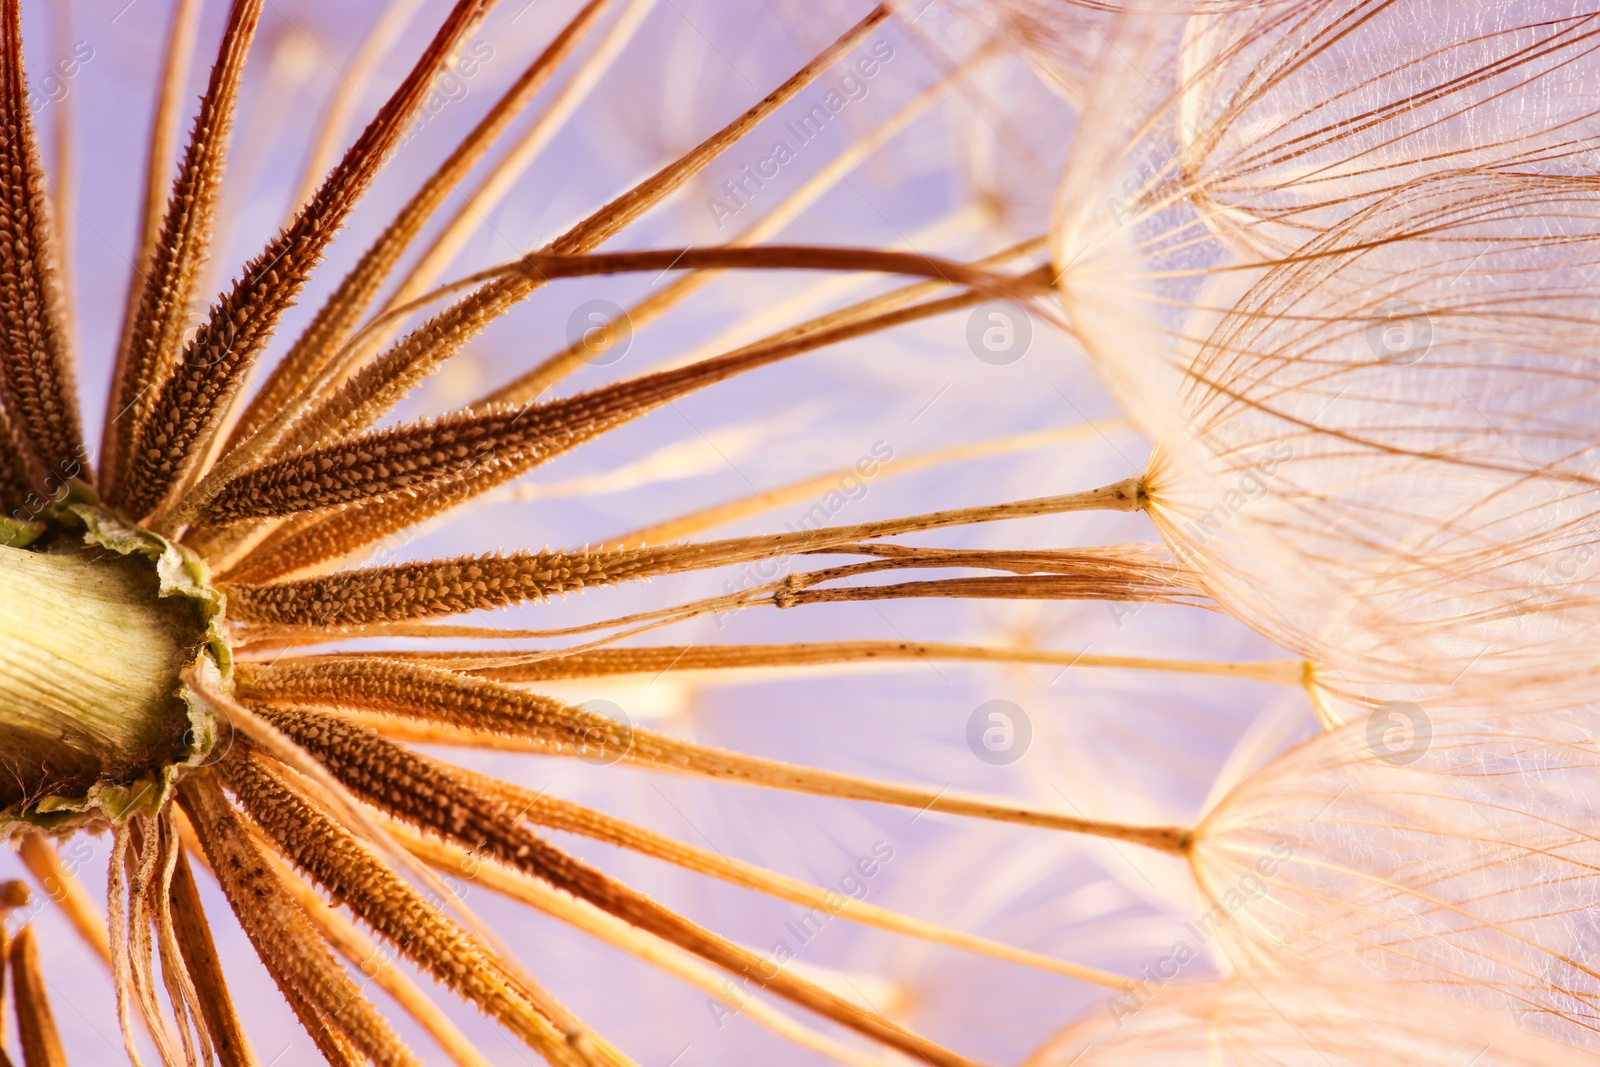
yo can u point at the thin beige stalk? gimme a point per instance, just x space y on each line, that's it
354 78
360 952
193 933
811 489
873 307
552 665
556 814
57 881
300 373
7 903
117 923
183 992
346 1027
144 858
36 1024
486 707
493 187
382 382
790 207
643 946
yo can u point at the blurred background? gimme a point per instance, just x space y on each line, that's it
950 148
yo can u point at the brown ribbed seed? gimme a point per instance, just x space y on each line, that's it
353 876
415 356
311 541
36 1025
35 350
347 1028
178 257
337 320
477 704
421 456
396 688
196 395
13 469
418 590
515 667
523 668
439 587
429 795
199 951
407 459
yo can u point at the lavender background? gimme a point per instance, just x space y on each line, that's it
971 176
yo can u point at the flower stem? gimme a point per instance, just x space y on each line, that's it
89 661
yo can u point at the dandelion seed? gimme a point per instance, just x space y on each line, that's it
1255 1018
209 650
